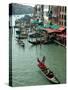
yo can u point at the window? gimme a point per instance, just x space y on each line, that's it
65 17
65 9
62 16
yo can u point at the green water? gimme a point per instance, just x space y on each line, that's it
24 63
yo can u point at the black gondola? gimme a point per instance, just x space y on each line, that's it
50 75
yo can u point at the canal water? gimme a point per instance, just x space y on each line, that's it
24 63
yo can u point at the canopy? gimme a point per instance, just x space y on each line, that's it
55 26
40 26
36 22
49 30
47 26
62 28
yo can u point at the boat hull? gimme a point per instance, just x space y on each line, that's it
36 42
53 80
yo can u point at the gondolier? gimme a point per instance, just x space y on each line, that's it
43 60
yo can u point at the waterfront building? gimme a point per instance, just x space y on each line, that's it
46 7
39 12
57 15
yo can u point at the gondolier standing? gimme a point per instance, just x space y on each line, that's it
43 60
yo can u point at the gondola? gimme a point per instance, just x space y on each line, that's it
50 76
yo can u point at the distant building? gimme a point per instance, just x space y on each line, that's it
39 12
57 14
46 7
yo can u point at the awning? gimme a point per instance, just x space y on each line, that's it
61 28
36 22
49 30
44 26
40 26
47 25
55 26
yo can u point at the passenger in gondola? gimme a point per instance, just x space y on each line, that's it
49 73
41 64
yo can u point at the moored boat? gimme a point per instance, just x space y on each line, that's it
21 43
36 42
18 32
